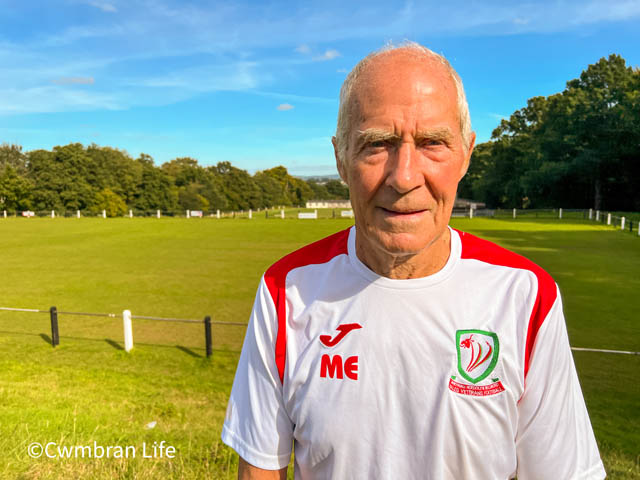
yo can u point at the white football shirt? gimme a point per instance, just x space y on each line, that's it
466 373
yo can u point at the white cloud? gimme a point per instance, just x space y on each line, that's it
328 55
285 106
304 49
104 6
342 70
74 81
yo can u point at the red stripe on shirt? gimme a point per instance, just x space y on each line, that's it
318 252
485 251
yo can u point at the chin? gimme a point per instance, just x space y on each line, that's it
404 243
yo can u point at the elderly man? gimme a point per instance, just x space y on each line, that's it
401 348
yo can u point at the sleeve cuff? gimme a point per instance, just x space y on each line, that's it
251 455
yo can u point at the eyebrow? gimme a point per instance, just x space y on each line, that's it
442 134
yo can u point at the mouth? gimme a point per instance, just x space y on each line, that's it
402 214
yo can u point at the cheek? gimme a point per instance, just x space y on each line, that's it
444 177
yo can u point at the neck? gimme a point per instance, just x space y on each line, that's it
403 266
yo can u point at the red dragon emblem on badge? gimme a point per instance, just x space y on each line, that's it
476 352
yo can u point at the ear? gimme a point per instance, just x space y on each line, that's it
467 159
339 164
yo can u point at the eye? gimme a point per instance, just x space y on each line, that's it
377 144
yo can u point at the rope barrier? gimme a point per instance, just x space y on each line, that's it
579 349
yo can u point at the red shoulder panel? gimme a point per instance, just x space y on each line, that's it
275 277
485 251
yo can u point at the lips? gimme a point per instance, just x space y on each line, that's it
408 214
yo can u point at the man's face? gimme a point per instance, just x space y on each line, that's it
405 154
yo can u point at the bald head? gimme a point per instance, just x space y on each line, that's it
389 65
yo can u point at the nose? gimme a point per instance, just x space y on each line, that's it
404 172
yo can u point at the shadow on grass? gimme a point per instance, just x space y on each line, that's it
114 344
224 349
188 351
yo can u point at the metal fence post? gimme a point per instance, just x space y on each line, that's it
622 223
207 335
608 219
55 337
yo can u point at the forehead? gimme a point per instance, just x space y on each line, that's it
407 81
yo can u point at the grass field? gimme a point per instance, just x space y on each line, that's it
89 390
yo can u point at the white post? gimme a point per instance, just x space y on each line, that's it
53 214
78 214
470 212
514 213
250 214
128 331
104 214
639 229
315 212
130 213
597 215
218 213
591 214
5 214
282 213
158 214
560 213
188 215
622 224
608 219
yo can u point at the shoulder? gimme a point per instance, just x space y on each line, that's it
318 252
475 248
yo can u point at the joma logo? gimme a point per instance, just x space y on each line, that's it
333 367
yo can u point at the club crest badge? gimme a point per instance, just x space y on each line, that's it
478 352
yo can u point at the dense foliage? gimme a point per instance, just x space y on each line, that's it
576 149
93 178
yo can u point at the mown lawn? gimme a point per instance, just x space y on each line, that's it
88 389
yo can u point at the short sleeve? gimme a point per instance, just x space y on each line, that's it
555 438
256 424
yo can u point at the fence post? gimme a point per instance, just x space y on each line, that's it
188 215
130 213
250 214
622 224
5 214
78 213
639 229
282 213
128 331
104 214
218 213
514 213
470 212
207 335
158 213
597 215
560 213
55 337
591 214
630 226
608 219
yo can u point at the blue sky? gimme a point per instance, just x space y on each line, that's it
256 83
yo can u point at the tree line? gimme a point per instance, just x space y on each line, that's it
576 149
74 177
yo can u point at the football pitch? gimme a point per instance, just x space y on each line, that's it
88 392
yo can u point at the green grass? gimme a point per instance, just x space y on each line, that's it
88 389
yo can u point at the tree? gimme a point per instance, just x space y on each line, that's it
110 202
15 190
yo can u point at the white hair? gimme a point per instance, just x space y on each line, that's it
345 111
